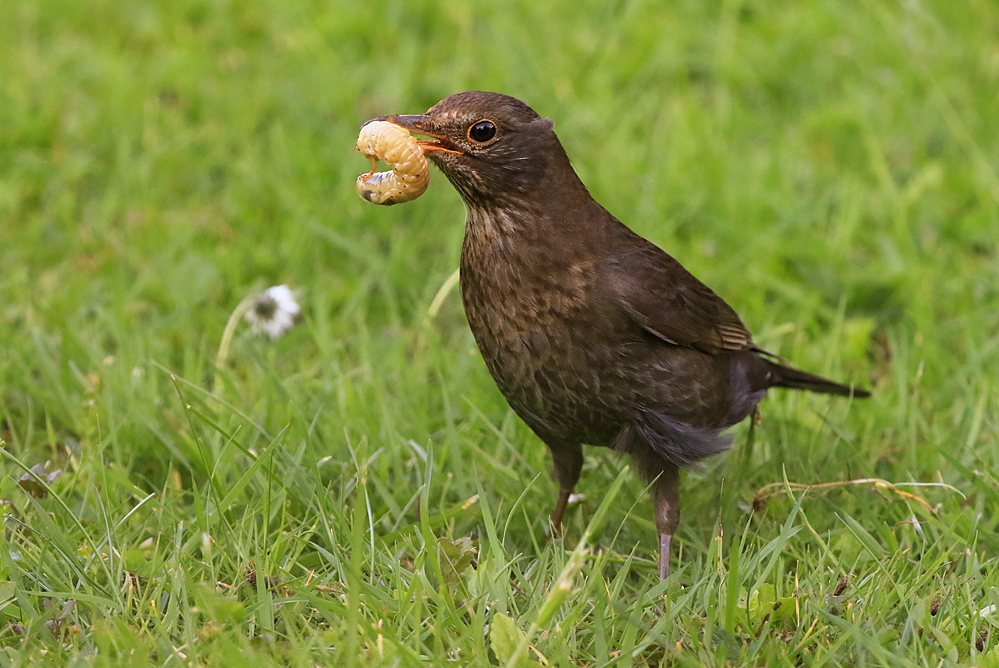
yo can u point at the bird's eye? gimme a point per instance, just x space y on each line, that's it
482 131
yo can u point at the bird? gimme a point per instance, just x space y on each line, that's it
592 333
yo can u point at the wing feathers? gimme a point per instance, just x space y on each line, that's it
670 303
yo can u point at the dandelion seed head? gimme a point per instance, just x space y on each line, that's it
273 311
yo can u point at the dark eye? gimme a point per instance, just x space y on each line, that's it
482 131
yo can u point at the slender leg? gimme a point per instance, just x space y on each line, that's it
666 499
568 461
664 541
560 505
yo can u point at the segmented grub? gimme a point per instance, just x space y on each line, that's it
392 144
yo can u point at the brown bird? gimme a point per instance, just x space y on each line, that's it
593 334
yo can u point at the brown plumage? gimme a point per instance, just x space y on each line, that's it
593 334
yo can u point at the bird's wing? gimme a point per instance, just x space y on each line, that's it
667 301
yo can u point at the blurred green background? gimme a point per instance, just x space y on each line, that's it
829 168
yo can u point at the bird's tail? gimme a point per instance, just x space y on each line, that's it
785 376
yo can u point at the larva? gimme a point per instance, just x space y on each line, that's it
381 140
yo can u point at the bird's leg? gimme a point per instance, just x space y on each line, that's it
666 499
664 540
560 506
568 461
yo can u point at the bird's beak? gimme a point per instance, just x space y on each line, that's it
418 123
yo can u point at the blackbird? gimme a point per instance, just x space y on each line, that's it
593 334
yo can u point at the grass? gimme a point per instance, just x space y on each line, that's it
357 492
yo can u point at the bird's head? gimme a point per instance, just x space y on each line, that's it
493 148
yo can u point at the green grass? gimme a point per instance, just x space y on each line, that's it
830 168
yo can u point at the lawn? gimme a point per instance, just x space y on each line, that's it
357 492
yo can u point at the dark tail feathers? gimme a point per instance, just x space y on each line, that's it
785 376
